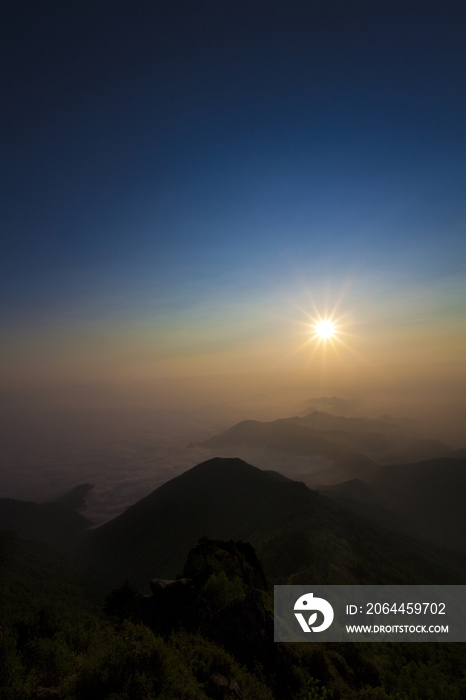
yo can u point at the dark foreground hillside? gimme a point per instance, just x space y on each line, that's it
207 637
423 499
431 495
42 522
79 628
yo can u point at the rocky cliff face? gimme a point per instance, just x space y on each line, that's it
221 595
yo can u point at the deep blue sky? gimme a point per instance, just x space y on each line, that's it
175 163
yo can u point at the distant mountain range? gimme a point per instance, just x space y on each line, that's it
352 408
335 437
317 420
340 407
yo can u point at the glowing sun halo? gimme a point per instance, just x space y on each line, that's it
325 329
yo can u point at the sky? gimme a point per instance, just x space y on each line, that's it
189 186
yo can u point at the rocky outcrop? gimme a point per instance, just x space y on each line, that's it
238 559
220 595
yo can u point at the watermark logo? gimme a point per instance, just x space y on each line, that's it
364 613
308 603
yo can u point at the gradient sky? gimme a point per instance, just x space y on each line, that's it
186 185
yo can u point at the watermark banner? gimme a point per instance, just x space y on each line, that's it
370 613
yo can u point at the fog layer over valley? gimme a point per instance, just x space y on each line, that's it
50 446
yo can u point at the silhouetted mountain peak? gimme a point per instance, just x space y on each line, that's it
289 525
223 466
334 405
74 499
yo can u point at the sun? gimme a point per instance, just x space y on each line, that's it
326 332
325 329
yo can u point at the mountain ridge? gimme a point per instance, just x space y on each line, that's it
299 535
299 436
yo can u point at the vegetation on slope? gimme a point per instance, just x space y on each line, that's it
219 645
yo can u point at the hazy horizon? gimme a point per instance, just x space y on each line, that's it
127 444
